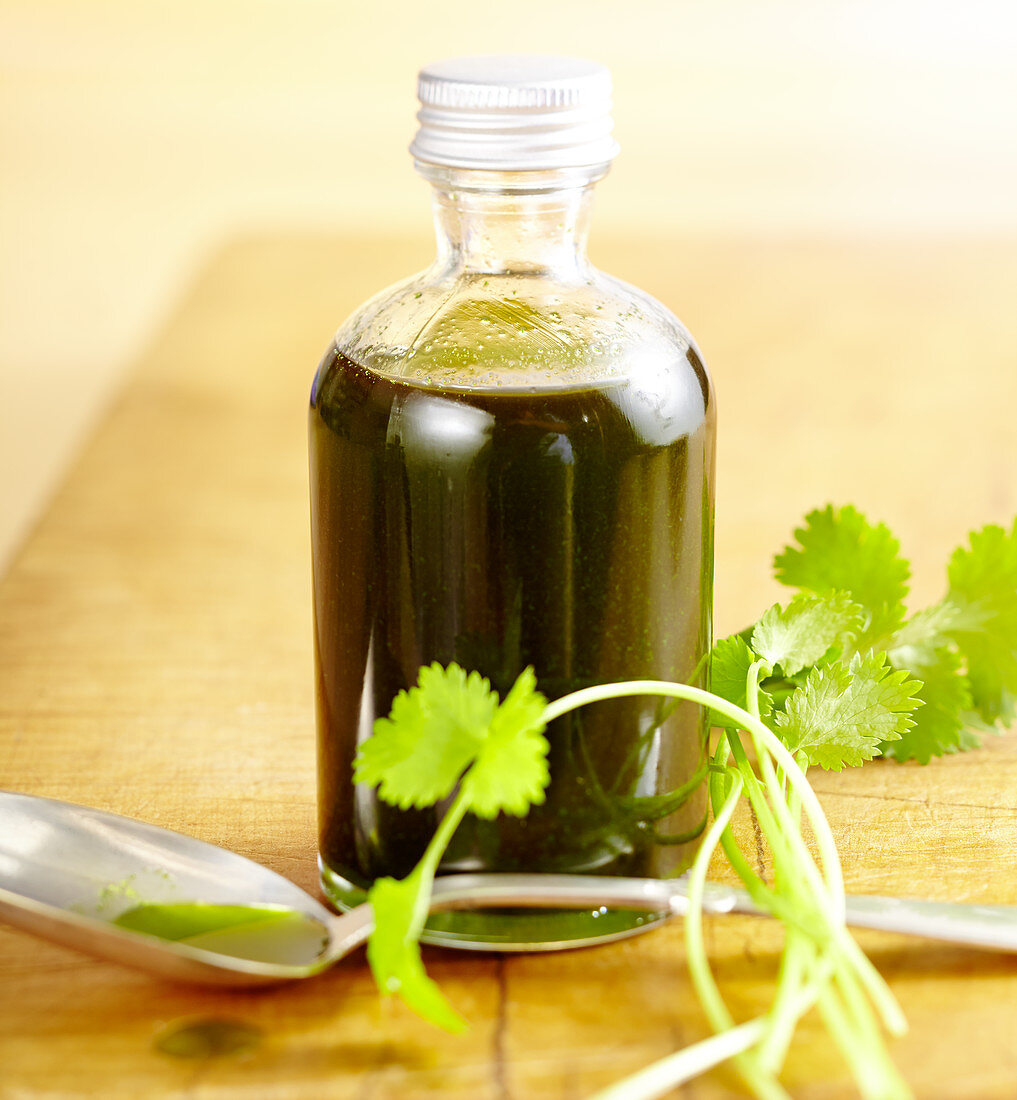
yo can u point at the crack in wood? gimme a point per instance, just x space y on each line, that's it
502 1089
925 801
372 1080
757 832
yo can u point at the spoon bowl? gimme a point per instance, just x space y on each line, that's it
68 873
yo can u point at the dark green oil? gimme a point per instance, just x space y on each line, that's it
262 933
567 529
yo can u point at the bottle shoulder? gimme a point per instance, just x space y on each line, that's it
475 330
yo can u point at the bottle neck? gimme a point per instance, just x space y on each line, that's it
502 223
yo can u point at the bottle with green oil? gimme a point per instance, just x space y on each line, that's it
511 464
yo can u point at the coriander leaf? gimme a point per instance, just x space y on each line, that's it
983 587
419 752
798 635
939 726
924 647
918 641
394 953
844 711
510 771
730 662
974 726
840 551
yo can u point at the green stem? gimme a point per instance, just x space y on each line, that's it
797 948
760 893
789 829
427 868
774 781
787 906
875 985
755 791
661 1077
698 960
752 687
721 1020
876 1077
794 966
870 1056
810 803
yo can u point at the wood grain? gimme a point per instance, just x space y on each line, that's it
155 660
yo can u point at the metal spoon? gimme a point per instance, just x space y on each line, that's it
66 870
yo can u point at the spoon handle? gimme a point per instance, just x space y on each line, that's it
571 892
990 926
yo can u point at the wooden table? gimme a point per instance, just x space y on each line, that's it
155 660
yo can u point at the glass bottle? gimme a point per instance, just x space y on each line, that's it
511 459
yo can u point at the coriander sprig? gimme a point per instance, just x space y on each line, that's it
836 677
963 649
446 731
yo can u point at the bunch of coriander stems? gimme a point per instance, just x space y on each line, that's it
821 966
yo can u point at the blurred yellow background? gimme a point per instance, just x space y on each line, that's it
139 135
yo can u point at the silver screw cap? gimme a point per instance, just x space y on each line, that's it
514 112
